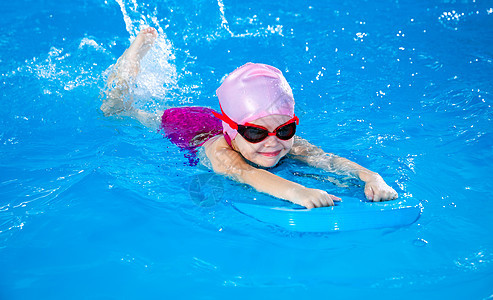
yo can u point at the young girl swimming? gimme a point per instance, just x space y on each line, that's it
255 129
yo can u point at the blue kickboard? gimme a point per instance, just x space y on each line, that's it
348 215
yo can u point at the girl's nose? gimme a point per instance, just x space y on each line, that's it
271 141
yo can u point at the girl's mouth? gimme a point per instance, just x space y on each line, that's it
271 154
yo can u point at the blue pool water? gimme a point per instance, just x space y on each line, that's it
104 208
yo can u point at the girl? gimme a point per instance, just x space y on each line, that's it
255 129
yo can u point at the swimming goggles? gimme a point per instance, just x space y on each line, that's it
255 133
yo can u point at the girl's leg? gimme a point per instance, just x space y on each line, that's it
126 69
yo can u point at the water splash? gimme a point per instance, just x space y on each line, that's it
158 75
62 68
224 22
478 260
454 19
451 19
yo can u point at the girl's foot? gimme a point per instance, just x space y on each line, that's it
138 49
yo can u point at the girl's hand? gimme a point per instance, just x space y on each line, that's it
311 198
377 190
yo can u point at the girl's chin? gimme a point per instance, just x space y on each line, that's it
267 162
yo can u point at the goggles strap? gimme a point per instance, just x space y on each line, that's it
225 118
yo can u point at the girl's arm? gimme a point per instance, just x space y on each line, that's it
228 162
375 187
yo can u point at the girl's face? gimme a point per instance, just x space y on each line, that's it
268 152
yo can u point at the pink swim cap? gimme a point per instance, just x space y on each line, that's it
254 91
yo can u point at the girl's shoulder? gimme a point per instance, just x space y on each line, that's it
216 142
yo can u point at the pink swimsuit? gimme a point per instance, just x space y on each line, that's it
189 128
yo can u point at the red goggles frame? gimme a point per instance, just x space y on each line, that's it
255 133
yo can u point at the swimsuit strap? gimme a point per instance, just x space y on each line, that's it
228 139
